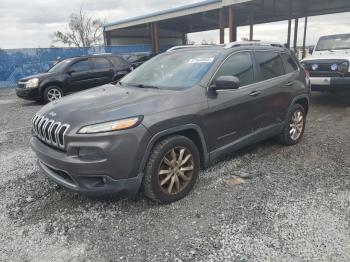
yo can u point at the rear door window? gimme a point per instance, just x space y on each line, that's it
270 64
239 65
289 63
100 63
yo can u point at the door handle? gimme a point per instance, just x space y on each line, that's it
255 93
290 83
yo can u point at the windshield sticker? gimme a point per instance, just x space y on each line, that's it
201 60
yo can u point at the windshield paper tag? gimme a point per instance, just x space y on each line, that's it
201 60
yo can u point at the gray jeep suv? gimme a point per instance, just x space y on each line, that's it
177 113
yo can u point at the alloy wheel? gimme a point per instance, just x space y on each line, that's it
53 94
296 125
176 170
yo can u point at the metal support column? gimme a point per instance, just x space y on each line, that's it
106 38
221 26
296 34
231 25
304 40
251 26
289 33
289 36
184 38
155 37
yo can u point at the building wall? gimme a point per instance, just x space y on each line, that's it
145 40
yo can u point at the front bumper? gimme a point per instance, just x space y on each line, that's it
28 94
339 84
118 171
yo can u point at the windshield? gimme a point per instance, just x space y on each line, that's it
171 70
333 42
59 66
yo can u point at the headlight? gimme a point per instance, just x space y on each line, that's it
34 82
343 67
111 126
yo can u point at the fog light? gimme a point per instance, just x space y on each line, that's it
91 153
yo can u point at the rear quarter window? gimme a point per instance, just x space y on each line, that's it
119 62
270 64
289 63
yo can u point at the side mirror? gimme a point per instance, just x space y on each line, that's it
226 82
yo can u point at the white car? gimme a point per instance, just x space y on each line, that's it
328 66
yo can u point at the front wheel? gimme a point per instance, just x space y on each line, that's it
172 169
294 128
52 93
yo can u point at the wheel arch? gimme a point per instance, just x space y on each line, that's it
302 100
191 131
48 84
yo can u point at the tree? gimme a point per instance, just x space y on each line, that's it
83 31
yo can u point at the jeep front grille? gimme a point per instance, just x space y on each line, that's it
49 131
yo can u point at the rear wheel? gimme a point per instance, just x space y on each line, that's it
293 130
172 169
52 93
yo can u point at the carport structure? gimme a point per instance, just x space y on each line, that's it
170 27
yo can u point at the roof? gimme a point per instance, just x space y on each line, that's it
188 9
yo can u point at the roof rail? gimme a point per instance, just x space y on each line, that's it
103 54
252 43
188 46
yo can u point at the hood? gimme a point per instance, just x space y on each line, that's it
111 102
41 76
329 55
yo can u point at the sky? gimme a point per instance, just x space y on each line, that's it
31 23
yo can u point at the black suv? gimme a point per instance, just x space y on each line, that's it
177 113
72 75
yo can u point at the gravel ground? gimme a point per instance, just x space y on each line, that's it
294 204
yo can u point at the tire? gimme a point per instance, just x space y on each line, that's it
163 164
288 137
52 93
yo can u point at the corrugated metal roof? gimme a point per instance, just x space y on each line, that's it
171 10
197 7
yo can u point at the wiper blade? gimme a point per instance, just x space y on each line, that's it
146 86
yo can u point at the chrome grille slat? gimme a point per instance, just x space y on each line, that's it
42 126
36 124
56 132
46 130
49 131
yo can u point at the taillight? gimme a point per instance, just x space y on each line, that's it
307 74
